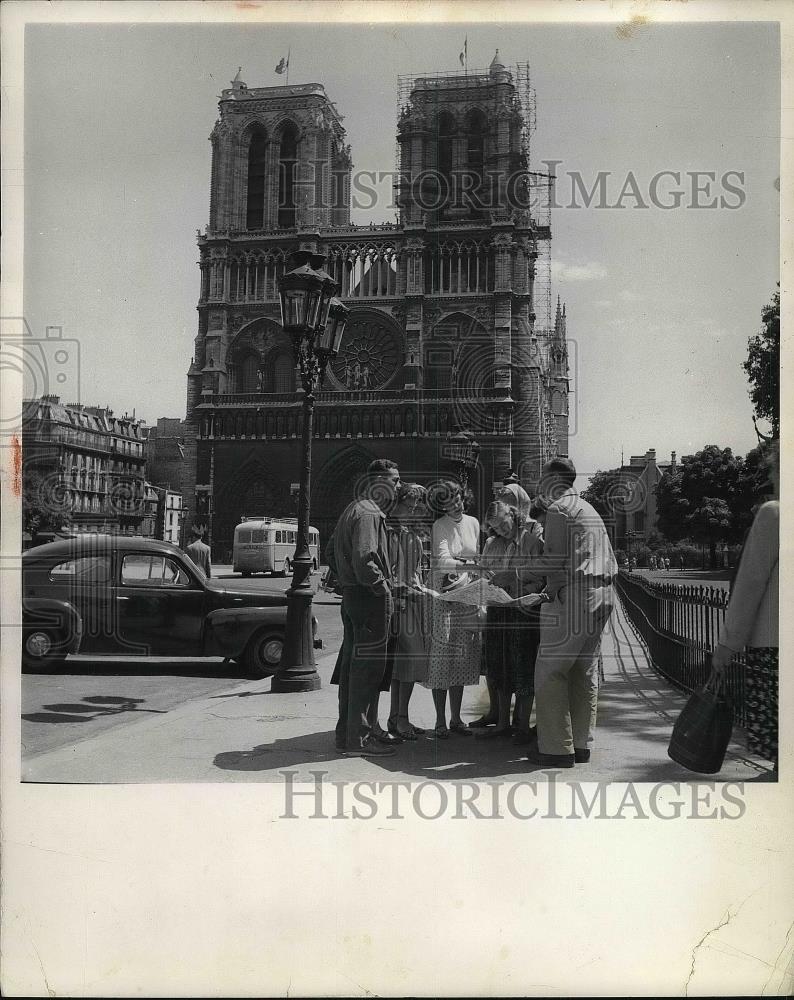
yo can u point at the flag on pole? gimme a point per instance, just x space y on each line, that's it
464 56
283 65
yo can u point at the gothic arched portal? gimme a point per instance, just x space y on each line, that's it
335 486
253 490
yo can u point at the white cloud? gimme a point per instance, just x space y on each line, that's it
590 271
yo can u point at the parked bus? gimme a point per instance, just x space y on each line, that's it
267 545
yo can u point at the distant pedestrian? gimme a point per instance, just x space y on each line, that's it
660 563
683 562
667 564
199 551
652 563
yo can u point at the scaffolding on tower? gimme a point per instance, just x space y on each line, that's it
541 190
415 91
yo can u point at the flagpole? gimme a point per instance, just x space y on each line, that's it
289 50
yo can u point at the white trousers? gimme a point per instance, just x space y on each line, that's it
566 671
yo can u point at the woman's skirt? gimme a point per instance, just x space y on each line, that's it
455 644
511 648
412 642
761 690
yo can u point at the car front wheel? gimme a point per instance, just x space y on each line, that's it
263 654
41 651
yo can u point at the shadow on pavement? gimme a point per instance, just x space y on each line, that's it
457 758
92 707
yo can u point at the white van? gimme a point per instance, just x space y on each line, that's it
267 545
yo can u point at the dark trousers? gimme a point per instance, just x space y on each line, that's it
365 618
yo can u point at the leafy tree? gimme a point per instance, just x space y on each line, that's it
672 507
752 488
763 366
703 498
601 492
710 523
655 540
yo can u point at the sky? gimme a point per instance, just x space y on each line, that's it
660 301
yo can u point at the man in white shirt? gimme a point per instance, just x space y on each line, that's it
580 567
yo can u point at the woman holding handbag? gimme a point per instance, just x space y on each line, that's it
751 621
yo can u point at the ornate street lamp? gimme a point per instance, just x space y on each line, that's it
463 449
315 322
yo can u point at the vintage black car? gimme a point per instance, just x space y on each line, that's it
141 597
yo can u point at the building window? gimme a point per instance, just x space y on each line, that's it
284 373
439 361
249 374
475 155
446 154
288 161
257 152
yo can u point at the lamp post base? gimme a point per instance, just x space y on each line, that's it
297 670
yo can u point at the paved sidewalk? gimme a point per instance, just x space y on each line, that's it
248 734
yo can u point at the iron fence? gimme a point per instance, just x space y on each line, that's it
680 626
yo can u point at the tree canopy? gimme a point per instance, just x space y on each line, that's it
763 366
710 495
602 492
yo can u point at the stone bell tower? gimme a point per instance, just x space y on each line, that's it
449 322
476 222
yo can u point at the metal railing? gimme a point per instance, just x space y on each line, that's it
680 626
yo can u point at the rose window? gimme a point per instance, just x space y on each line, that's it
369 356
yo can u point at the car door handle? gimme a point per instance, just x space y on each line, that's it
122 597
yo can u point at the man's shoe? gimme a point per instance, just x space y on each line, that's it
581 756
383 737
534 756
369 748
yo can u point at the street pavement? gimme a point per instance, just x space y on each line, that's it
90 696
247 733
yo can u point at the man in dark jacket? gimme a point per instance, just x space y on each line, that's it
363 568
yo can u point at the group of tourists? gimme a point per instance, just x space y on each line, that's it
549 569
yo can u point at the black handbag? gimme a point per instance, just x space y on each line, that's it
701 735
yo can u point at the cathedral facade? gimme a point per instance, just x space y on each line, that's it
442 335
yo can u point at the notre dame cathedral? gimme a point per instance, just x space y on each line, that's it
443 333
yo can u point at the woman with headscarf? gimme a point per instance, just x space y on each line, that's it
515 496
513 632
